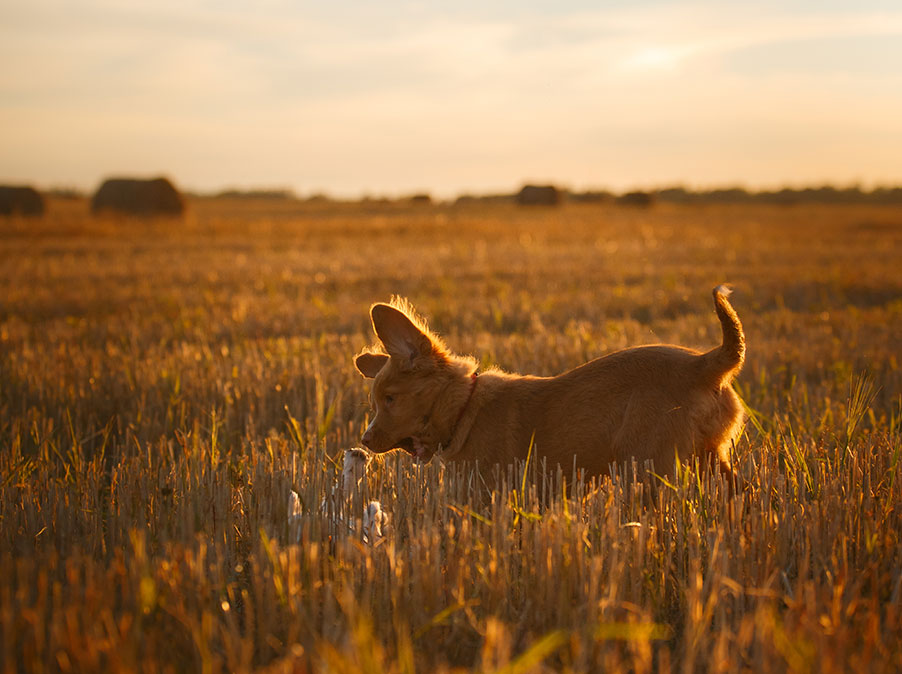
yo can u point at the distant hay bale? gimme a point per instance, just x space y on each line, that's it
637 199
539 195
421 199
20 200
133 196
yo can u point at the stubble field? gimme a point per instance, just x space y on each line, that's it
163 385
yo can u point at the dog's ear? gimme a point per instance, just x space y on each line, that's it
369 364
402 339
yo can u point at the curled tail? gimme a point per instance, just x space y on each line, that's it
723 363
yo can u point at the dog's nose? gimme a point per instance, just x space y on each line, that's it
367 438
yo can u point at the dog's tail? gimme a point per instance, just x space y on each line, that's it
724 362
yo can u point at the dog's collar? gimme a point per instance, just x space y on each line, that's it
463 409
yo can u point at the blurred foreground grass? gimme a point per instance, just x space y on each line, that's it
163 385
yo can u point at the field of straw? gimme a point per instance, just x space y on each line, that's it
164 385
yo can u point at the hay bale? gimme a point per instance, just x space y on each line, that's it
539 195
637 199
20 200
422 199
133 196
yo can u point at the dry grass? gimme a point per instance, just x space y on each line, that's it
163 386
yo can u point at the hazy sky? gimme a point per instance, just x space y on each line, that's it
350 97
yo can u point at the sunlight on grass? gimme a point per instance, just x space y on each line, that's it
163 388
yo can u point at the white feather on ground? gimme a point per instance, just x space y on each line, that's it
354 468
375 519
294 517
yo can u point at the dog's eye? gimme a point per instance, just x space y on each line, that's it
389 399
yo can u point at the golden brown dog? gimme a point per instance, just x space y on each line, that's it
648 402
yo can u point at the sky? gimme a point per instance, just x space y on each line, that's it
350 97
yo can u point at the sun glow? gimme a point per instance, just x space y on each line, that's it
654 58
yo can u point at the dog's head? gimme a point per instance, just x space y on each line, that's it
408 377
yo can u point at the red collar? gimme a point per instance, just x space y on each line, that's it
466 404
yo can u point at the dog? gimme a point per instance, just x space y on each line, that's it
648 403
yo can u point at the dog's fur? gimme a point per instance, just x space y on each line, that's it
648 402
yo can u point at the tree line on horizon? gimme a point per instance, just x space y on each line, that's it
552 194
531 194
25 200
826 194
